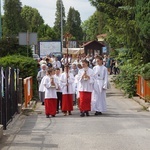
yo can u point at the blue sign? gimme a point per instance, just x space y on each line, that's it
104 49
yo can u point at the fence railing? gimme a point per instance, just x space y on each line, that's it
28 91
143 88
9 94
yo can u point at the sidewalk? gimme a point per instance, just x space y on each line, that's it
139 100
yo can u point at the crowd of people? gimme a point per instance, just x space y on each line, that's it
82 81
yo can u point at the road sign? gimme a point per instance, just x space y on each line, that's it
27 38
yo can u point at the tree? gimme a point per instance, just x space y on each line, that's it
10 46
73 24
93 26
45 32
142 18
13 23
122 24
57 23
32 18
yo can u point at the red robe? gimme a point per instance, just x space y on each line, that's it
67 102
85 101
50 106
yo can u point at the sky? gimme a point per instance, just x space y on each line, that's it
47 8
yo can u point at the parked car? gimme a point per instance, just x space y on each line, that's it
36 56
59 55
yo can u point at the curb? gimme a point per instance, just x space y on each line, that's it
22 111
141 101
31 106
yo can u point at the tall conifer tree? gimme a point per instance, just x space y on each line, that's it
57 23
13 23
73 24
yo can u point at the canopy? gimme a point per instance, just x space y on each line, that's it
73 51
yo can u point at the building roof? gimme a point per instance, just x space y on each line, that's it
102 35
89 42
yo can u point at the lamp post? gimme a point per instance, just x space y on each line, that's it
61 27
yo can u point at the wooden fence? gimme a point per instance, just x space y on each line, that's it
143 88
28 91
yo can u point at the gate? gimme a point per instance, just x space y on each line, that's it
9 85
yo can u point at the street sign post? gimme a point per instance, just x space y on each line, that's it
27 38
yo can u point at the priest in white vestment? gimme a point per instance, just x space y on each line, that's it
100 87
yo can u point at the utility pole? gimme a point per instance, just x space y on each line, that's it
61 26
0 21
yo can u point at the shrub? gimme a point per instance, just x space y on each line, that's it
26 65
145 71
126 80
11 47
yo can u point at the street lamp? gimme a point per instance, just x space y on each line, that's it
61 26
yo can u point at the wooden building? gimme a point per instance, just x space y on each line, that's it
93 47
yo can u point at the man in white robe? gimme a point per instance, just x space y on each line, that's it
100 86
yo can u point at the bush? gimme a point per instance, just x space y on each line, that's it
145 71
127 78
27 67
11 47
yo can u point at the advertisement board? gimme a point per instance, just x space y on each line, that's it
48 47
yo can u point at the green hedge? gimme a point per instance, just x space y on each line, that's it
127 78
26 65
145 71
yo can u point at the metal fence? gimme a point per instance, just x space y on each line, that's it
9 94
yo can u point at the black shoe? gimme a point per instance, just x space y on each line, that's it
69 113
87 113
47 116
53 115
99 113
82 114
96 113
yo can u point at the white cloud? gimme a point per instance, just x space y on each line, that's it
47 8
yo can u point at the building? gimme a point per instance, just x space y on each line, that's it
93 47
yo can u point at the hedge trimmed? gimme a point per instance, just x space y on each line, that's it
26 65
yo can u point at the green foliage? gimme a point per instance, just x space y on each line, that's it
127 25
93 26
46 33
126 80
57 23
10 46
129 70
73 24
32 18
145 71
13 23
27 66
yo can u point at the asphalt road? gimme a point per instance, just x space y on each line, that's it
125 126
